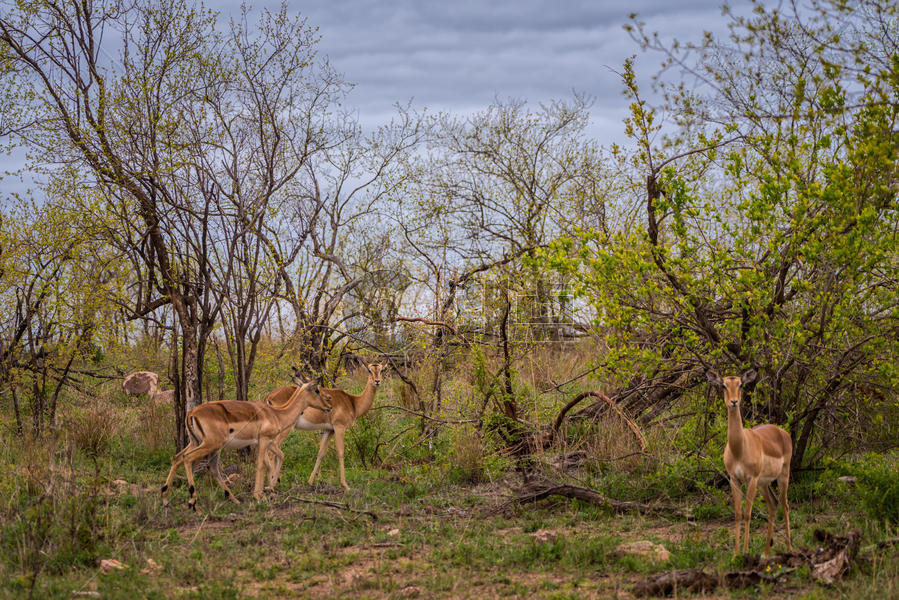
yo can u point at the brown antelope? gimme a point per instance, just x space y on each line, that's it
235 424
346 408
755 457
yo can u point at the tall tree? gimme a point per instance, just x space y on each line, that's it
179 124
769 223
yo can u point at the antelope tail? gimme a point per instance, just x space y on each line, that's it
195 430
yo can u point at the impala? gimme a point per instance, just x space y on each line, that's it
755 457
346 408
235 424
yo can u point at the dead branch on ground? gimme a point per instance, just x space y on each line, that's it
827 564
538 490
329 504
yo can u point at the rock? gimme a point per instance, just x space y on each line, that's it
108 565
141 382
848 478
152 567
542 536
410 591
656 552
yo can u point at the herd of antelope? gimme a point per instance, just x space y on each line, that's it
754 457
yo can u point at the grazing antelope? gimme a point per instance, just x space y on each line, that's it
346 408
756 457
235 424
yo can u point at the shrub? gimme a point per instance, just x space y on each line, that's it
878 487
92 429
157 427
55 524
468 457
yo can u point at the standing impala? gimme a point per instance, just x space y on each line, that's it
235 424
756 457
346 408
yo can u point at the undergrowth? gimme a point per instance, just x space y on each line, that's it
442 495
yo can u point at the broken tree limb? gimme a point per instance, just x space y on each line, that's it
665 584
538 490
827 563
833 560
330 504
672 583
455 331
881 545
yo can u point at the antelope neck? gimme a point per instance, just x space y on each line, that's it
362 403
734 430
294 404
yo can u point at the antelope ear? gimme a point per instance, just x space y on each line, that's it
714 378
749 377
368 368
385 366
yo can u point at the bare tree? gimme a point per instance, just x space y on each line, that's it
323 253
179 125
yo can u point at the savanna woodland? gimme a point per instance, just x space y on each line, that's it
573 339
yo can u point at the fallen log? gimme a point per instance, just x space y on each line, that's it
538 490
329 504
827 563
671 582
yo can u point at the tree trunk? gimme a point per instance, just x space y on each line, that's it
15 403
240 368
510 407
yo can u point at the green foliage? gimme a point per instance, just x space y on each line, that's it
765 241
55 525
367 438
92 428
878 487
763 232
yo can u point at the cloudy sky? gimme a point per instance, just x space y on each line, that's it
458 55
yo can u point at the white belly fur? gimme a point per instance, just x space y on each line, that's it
239 443
307 426
773 467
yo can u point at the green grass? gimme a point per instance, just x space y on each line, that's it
438 533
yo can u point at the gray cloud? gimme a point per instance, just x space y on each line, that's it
459 56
